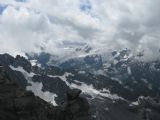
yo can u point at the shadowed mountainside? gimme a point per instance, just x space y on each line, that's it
18 104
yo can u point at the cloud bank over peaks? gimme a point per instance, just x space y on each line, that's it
36 25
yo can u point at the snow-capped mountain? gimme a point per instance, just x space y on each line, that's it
82 58
117 91
125 68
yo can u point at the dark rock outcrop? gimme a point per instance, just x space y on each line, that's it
76 107
150 108
7 60
18 104
21 61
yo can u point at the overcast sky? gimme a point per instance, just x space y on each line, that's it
33 25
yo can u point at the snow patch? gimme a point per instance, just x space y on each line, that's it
33 62
99 72
129 71
63 77
36 87
81 72
144 80
106 109
115 62
25 73
87 89
117 80
90 90
150 86
134 104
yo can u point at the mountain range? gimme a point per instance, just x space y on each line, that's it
122 87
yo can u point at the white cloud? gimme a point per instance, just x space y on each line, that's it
30 25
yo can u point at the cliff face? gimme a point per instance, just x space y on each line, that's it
18 104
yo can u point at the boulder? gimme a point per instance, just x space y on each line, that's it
76 107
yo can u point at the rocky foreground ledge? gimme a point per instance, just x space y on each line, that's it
19 104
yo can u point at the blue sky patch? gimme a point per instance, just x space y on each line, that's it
85 6
2 8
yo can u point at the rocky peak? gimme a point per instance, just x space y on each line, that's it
6 59
21 61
